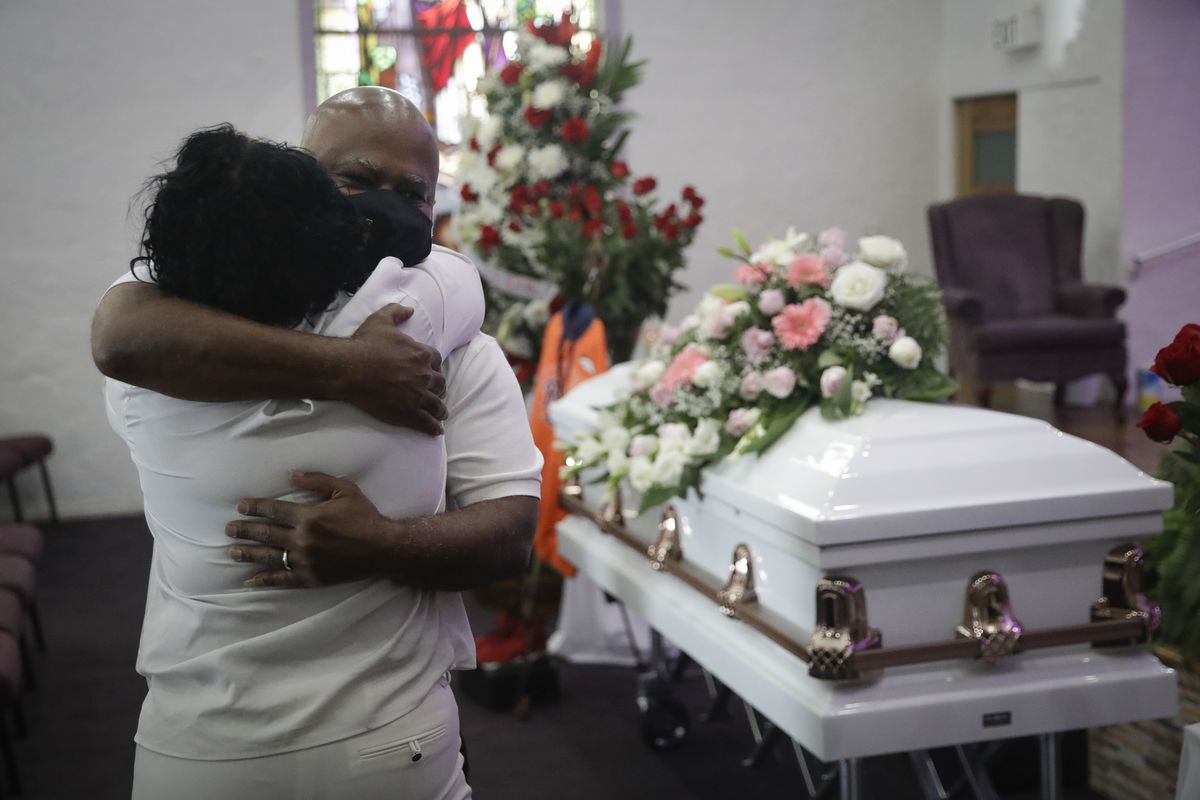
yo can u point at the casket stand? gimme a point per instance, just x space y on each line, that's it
920 576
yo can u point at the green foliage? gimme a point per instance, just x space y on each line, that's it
1173 558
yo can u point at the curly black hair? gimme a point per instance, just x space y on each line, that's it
252 227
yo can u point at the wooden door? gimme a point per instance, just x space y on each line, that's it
987 144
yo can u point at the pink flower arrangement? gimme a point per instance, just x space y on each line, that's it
834 256
800 325
679 373
757 343
771 302
779 382
752 274
751 386
807 269
741 420
886 329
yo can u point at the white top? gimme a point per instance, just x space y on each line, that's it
235 672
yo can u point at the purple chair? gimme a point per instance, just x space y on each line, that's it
1009 268
30 449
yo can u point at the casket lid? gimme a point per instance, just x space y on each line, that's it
904 469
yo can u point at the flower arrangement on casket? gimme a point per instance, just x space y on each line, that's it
547 199
1174 557
805 325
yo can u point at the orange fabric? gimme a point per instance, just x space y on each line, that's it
563 364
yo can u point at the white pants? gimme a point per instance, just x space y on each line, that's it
414 758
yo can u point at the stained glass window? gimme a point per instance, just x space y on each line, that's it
431 52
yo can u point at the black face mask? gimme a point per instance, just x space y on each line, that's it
397 227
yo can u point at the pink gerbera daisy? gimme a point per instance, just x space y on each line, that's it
807 269
800 325
750 275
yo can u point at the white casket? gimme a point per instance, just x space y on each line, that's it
905 505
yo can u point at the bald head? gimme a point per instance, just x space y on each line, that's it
369 138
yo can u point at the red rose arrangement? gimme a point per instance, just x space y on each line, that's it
1178 364
549 205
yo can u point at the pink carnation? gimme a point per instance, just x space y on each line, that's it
832 237
800 325
752 386
757 343
807 269
682 368
834 256
780 382
752 274
886 329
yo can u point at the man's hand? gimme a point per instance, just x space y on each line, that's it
395 378
335 540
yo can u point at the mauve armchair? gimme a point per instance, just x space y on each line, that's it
1009 268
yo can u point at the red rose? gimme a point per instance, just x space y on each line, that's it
489 237
474 144
619 169
644 186
558 33
540 189
518 199
511 74
1179 362
1161 423
556 209
536 117
693 220
491 156
574 130
623 211
591 199
468 196
514 226
592 227
671 230
629 230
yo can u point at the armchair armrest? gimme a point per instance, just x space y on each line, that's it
962 304
1094 300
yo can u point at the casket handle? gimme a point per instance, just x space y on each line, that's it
988 617
613 511
841 629
667 548
1123 598
739 589
572 487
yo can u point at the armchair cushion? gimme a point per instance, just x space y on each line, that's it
962 304
1051 332
1088 299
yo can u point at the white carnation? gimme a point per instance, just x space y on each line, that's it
541 55
673 435
509 157
669 467
860 391
858 285
883 251
707 438
488 132
905 352
708 374
549 95
641 473
548 161
617 462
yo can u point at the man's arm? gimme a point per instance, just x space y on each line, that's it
145 338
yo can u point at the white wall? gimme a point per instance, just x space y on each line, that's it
94 95
1069 106
784 112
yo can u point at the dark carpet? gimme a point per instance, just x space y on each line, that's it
586 746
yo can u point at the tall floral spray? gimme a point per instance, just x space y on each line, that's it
548 202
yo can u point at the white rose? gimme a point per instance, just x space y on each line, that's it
589 451
831 379
707 438
641 473
643 445
547 161
708 374
615 438
509 157
549 95
617 462
648 374
488 132
669 466
905 352
541 55
883 251
858 285
860 391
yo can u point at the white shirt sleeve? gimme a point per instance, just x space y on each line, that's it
489 448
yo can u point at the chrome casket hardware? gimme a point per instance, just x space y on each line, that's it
841 629
572 486
1123 598
612 511
988 617
667 548
739 589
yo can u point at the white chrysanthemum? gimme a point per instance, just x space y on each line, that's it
509 157
541 55
858 285
549 95
548 161
780 251
488 132
883 252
